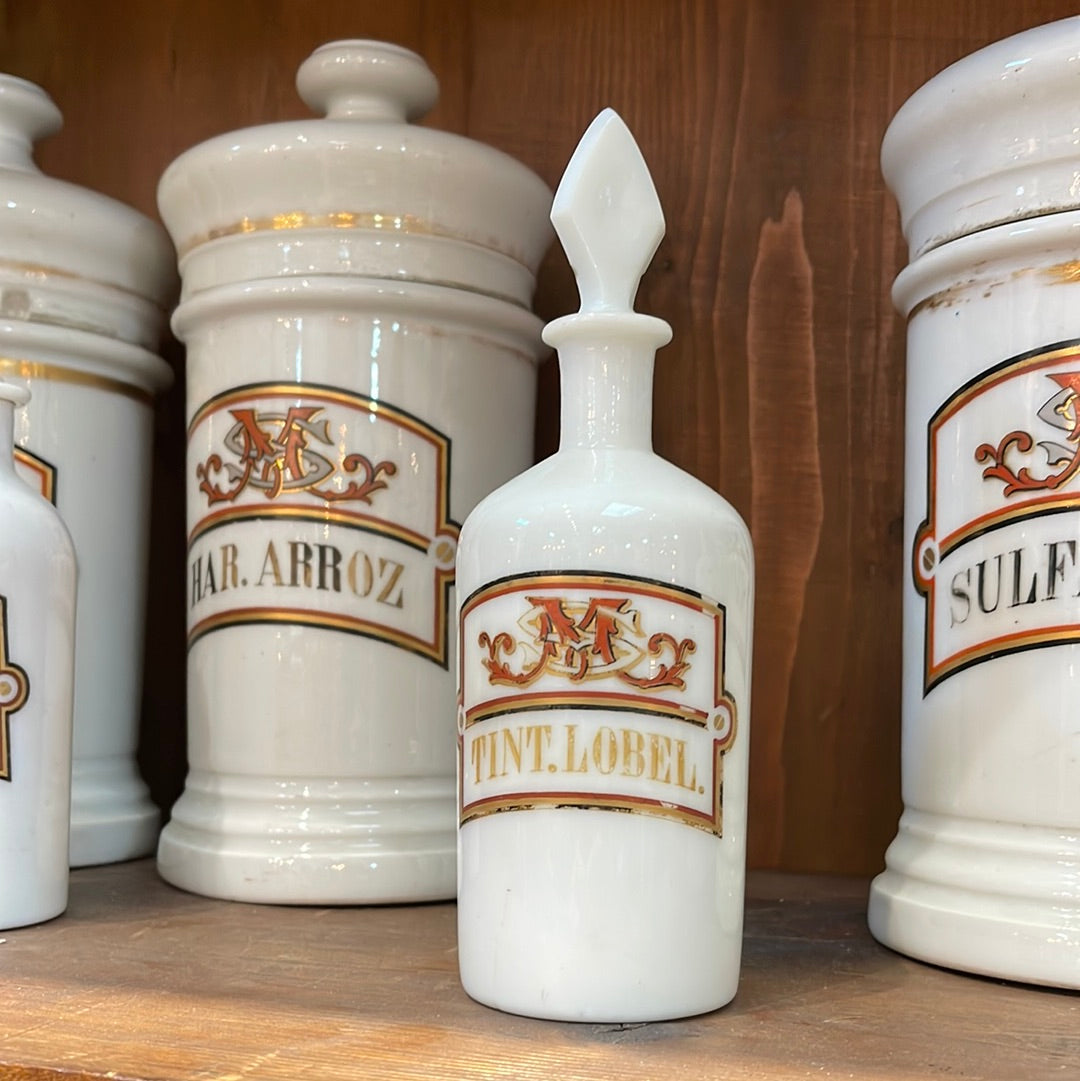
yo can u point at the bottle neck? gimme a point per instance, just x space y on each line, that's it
606 366
606 393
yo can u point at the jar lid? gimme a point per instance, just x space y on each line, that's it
992 139
361 192
71 257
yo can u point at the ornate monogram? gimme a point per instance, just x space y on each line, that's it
578 640
274 453
1063 459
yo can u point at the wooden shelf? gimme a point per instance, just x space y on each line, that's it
139 980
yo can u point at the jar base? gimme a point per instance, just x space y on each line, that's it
315 842
991 898
593 1012
30 913
112 816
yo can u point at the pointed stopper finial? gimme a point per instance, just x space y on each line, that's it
607 215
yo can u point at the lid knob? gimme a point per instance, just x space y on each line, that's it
367 80
27 114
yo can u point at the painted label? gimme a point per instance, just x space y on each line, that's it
319 507
38 473
589 690
996 557
14 691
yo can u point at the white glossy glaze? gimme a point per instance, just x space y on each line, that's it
569 908
69 256
358 192
37 642
991 139
83 285
982 874
394 304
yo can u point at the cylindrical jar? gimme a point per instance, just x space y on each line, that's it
361 371
981 875
37 671
84 282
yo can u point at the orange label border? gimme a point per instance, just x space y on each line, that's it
437 648
1038 506
712 821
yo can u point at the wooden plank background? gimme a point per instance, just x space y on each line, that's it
762 121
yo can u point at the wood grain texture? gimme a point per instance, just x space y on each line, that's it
762 122
141 981
782 365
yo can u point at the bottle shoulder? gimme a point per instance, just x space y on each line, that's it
628 485
640 516
31 522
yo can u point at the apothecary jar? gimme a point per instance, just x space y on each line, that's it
85 285
361 371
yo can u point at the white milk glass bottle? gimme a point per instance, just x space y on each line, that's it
37 644
604 671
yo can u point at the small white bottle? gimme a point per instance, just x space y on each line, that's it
37 652
605 606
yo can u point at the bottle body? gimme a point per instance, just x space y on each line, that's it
37 642
603 740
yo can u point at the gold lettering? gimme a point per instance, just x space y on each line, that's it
476 755
659 758
483 754
354 579
583 765
540 736
648 756
271 566
511 749
390 582
196 581
329 560
680 768
230 576
509 746
300 556
605 741
209 583
633 753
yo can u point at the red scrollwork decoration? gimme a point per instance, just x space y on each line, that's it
667 675
371 480
499 671
1021 480
214 494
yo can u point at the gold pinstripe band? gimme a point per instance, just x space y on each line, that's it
60 373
